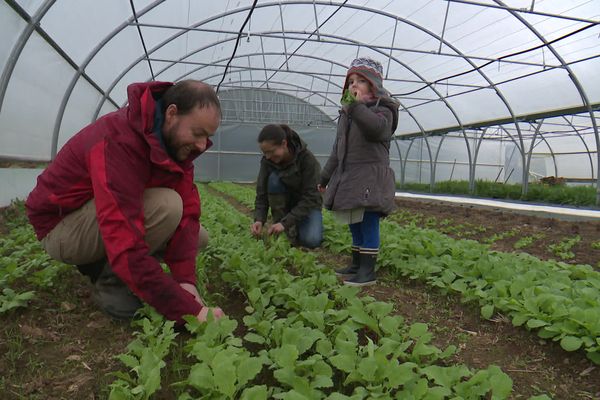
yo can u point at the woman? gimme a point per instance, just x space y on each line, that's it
287 184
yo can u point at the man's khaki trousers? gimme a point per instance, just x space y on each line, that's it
76 239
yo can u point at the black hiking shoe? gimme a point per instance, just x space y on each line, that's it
113 296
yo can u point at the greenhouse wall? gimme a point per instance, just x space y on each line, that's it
16 183
235 155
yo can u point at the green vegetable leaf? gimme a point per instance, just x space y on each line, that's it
571 343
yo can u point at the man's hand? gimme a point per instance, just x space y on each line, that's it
256 228
203 314
188 287
276 228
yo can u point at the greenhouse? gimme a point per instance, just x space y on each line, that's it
454 201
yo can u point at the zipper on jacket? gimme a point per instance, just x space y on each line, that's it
346 146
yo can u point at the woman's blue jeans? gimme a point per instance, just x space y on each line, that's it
310 228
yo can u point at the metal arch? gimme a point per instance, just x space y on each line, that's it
524 10
20 45
575 81
480 141
304 88
300 72
203 65
313 75
526 167
403 168
483 75
584 145
124 72
384 14
551 153
359 44
309 39
406 109
276 91
326 98
401 163
140 59
80 72
434 169
396 18
530 154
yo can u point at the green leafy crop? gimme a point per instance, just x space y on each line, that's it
348 98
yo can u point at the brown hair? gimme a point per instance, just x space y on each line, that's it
276 133
188 94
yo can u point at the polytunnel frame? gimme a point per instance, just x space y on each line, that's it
514 12
578 86
33 25
552 152
237 69
360 8
528 154
566 66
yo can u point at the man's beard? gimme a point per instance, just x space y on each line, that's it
169 145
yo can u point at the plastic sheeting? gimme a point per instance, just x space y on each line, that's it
454 65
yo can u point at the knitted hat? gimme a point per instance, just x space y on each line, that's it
369 69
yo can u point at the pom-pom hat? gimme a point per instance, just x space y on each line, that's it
369 69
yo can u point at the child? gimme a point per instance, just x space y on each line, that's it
287 183
358 182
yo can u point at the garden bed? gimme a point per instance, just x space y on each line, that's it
60 346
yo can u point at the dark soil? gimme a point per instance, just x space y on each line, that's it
466 222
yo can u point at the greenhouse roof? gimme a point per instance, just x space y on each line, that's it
452 64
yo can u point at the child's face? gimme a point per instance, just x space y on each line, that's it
359 87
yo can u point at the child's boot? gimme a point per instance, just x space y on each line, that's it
351 269
366 272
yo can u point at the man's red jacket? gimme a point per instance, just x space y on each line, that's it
113 161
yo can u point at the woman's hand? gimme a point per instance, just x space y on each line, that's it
256 228
276 228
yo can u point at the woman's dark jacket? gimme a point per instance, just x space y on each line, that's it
300 176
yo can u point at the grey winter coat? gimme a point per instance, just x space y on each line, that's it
357 173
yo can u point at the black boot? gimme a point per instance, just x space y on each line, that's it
366 272
351 269
113 296
92 270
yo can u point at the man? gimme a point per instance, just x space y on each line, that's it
122 190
